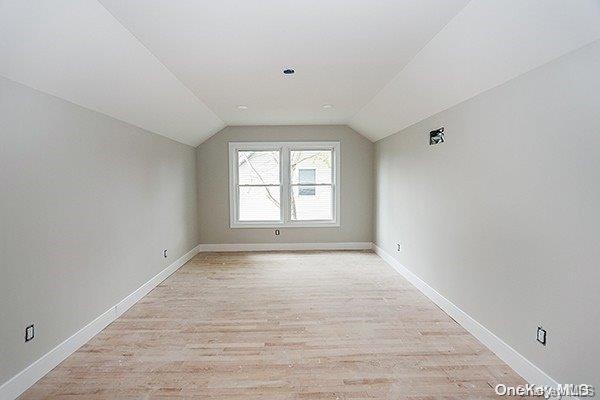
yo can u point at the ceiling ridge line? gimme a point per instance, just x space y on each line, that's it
165 67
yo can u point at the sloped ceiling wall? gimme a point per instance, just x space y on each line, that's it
386 65
488 43
76 50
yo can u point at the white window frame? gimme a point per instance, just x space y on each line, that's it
284 149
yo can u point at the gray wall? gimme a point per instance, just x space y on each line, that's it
503 219
356 184
88 204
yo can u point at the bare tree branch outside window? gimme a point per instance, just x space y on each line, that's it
247 159
297 158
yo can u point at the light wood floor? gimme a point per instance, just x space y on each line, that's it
288 325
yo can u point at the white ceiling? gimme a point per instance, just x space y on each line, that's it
232 52
180 68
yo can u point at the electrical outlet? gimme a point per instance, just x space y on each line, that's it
29 333
399 247
165 253
277 232
541 335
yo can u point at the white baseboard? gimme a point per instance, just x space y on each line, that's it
522 366
27 377
286 246
30 375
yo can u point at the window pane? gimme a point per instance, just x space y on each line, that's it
259 203
258 167
307 176
319 161
315 206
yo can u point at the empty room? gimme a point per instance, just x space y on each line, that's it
310 199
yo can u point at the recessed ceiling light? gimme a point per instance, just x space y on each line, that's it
242 107
288 71
327 106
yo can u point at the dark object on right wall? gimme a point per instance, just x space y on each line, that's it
436 136
541 335
29 333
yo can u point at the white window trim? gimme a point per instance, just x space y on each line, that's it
285 186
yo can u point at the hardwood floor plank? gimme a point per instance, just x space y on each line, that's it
280 325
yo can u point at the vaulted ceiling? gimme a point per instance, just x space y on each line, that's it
181 68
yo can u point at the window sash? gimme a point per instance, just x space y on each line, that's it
286 185
238 202
331 204
333 159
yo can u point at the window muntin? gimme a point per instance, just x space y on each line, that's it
284 184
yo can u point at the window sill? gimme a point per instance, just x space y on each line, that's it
275 225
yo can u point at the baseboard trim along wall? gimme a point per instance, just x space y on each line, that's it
285 246
34 372
522 366
31 374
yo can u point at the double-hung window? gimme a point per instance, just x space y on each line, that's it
291 184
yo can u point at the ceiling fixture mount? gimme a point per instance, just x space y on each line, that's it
289 71
327 106
242 107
